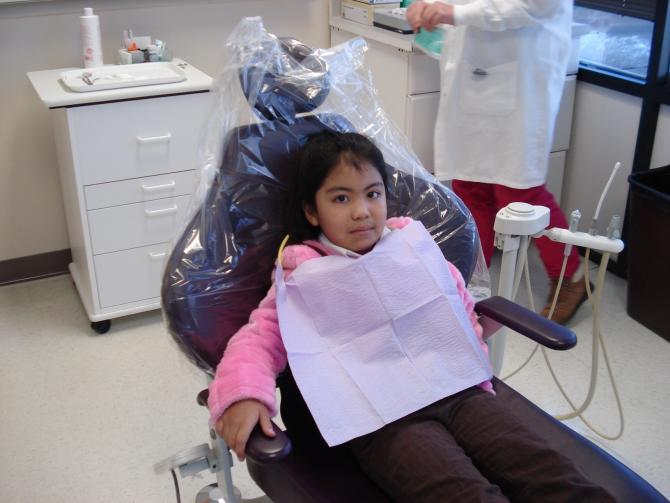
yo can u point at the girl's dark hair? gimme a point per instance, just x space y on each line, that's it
320 154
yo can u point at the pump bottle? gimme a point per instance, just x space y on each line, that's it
90 38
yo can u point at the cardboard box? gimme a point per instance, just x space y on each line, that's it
363 12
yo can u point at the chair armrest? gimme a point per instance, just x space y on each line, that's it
260 448
202 397
263 449
527 323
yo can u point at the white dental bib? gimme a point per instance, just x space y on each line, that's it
373 339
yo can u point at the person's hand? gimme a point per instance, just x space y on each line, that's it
238 420
429 15
437 13
414 14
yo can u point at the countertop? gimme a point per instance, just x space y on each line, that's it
400 41
54 94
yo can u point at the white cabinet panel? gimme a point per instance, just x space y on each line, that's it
424 74
130 275
555 174
103 195
421 116
134 225
564 117
389 68
137 138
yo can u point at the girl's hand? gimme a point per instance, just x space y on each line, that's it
237 422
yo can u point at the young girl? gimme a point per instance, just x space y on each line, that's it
463 447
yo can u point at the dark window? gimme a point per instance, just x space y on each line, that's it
626 48
613 43
643 9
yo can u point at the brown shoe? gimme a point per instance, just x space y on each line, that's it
571 296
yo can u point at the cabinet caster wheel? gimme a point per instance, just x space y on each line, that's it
101 327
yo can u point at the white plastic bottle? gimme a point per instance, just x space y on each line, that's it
90 38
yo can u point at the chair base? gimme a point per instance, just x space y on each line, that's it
212 494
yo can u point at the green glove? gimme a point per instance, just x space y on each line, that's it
430 41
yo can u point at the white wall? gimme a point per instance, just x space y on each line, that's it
661 155
43 36
604 131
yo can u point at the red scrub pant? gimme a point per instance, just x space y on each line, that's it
485 199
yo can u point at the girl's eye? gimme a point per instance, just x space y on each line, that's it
374 194
341 198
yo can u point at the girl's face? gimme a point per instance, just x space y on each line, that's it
350 207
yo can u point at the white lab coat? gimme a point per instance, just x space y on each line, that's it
503 69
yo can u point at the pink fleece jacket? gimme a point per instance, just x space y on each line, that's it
256 355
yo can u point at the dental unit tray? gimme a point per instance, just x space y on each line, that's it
118 76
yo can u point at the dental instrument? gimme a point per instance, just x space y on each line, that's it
514 226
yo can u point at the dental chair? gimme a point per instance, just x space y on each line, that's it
221 265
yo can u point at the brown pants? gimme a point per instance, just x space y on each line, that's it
469 447
465 448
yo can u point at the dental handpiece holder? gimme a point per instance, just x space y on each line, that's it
515 225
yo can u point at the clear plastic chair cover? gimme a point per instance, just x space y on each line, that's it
270 95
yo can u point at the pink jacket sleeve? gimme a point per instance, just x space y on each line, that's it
255 354
469 304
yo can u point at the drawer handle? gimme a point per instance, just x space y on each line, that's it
154 139
157 256
152 188
164 211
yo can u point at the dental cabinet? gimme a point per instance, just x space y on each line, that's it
127 160
408 82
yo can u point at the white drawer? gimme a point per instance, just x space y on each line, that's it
130 275
103 195
561 139
134 225
137 138
424 74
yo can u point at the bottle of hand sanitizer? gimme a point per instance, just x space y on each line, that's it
90 38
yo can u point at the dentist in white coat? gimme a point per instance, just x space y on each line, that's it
503 69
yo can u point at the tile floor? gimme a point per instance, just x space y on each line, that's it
85 417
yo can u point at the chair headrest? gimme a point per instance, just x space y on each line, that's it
221 264
292 81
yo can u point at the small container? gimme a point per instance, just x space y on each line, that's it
90 38
142 42
152 53
124 57
137 56
163 53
